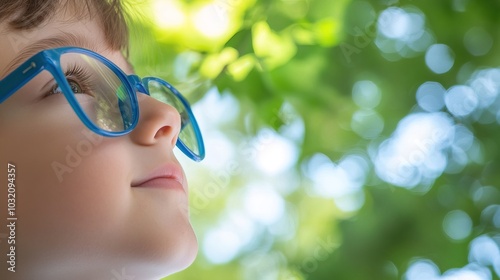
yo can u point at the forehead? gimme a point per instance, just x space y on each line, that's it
60 31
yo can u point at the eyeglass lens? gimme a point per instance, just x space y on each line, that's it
103 97
99 92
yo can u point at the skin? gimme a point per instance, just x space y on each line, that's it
92 224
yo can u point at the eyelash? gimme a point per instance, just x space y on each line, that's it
74 74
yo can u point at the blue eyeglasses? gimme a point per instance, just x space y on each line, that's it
103 97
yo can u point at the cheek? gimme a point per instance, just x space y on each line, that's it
70 181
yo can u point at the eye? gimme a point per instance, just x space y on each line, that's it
78 80
75 87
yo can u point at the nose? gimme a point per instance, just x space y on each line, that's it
158 122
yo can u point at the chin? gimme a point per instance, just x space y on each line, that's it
162 257
186 252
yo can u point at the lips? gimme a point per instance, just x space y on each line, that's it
168 176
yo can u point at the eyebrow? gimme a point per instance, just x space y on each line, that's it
63 39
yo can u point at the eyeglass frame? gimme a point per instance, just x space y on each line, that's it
50 60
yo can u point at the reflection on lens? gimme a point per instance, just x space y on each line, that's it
188 137
105 100
164 94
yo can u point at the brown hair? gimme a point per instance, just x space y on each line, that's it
28 14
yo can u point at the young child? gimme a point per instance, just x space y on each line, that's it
90 187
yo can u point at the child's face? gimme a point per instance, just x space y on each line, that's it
77 210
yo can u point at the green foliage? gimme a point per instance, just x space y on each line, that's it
308 55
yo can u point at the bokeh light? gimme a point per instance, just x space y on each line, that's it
211 20
264 205
169 13
274 153
478 41
402 32
422 269
439 58
366 94
430 96
416 153
457 224
461 100
367 123
221 252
